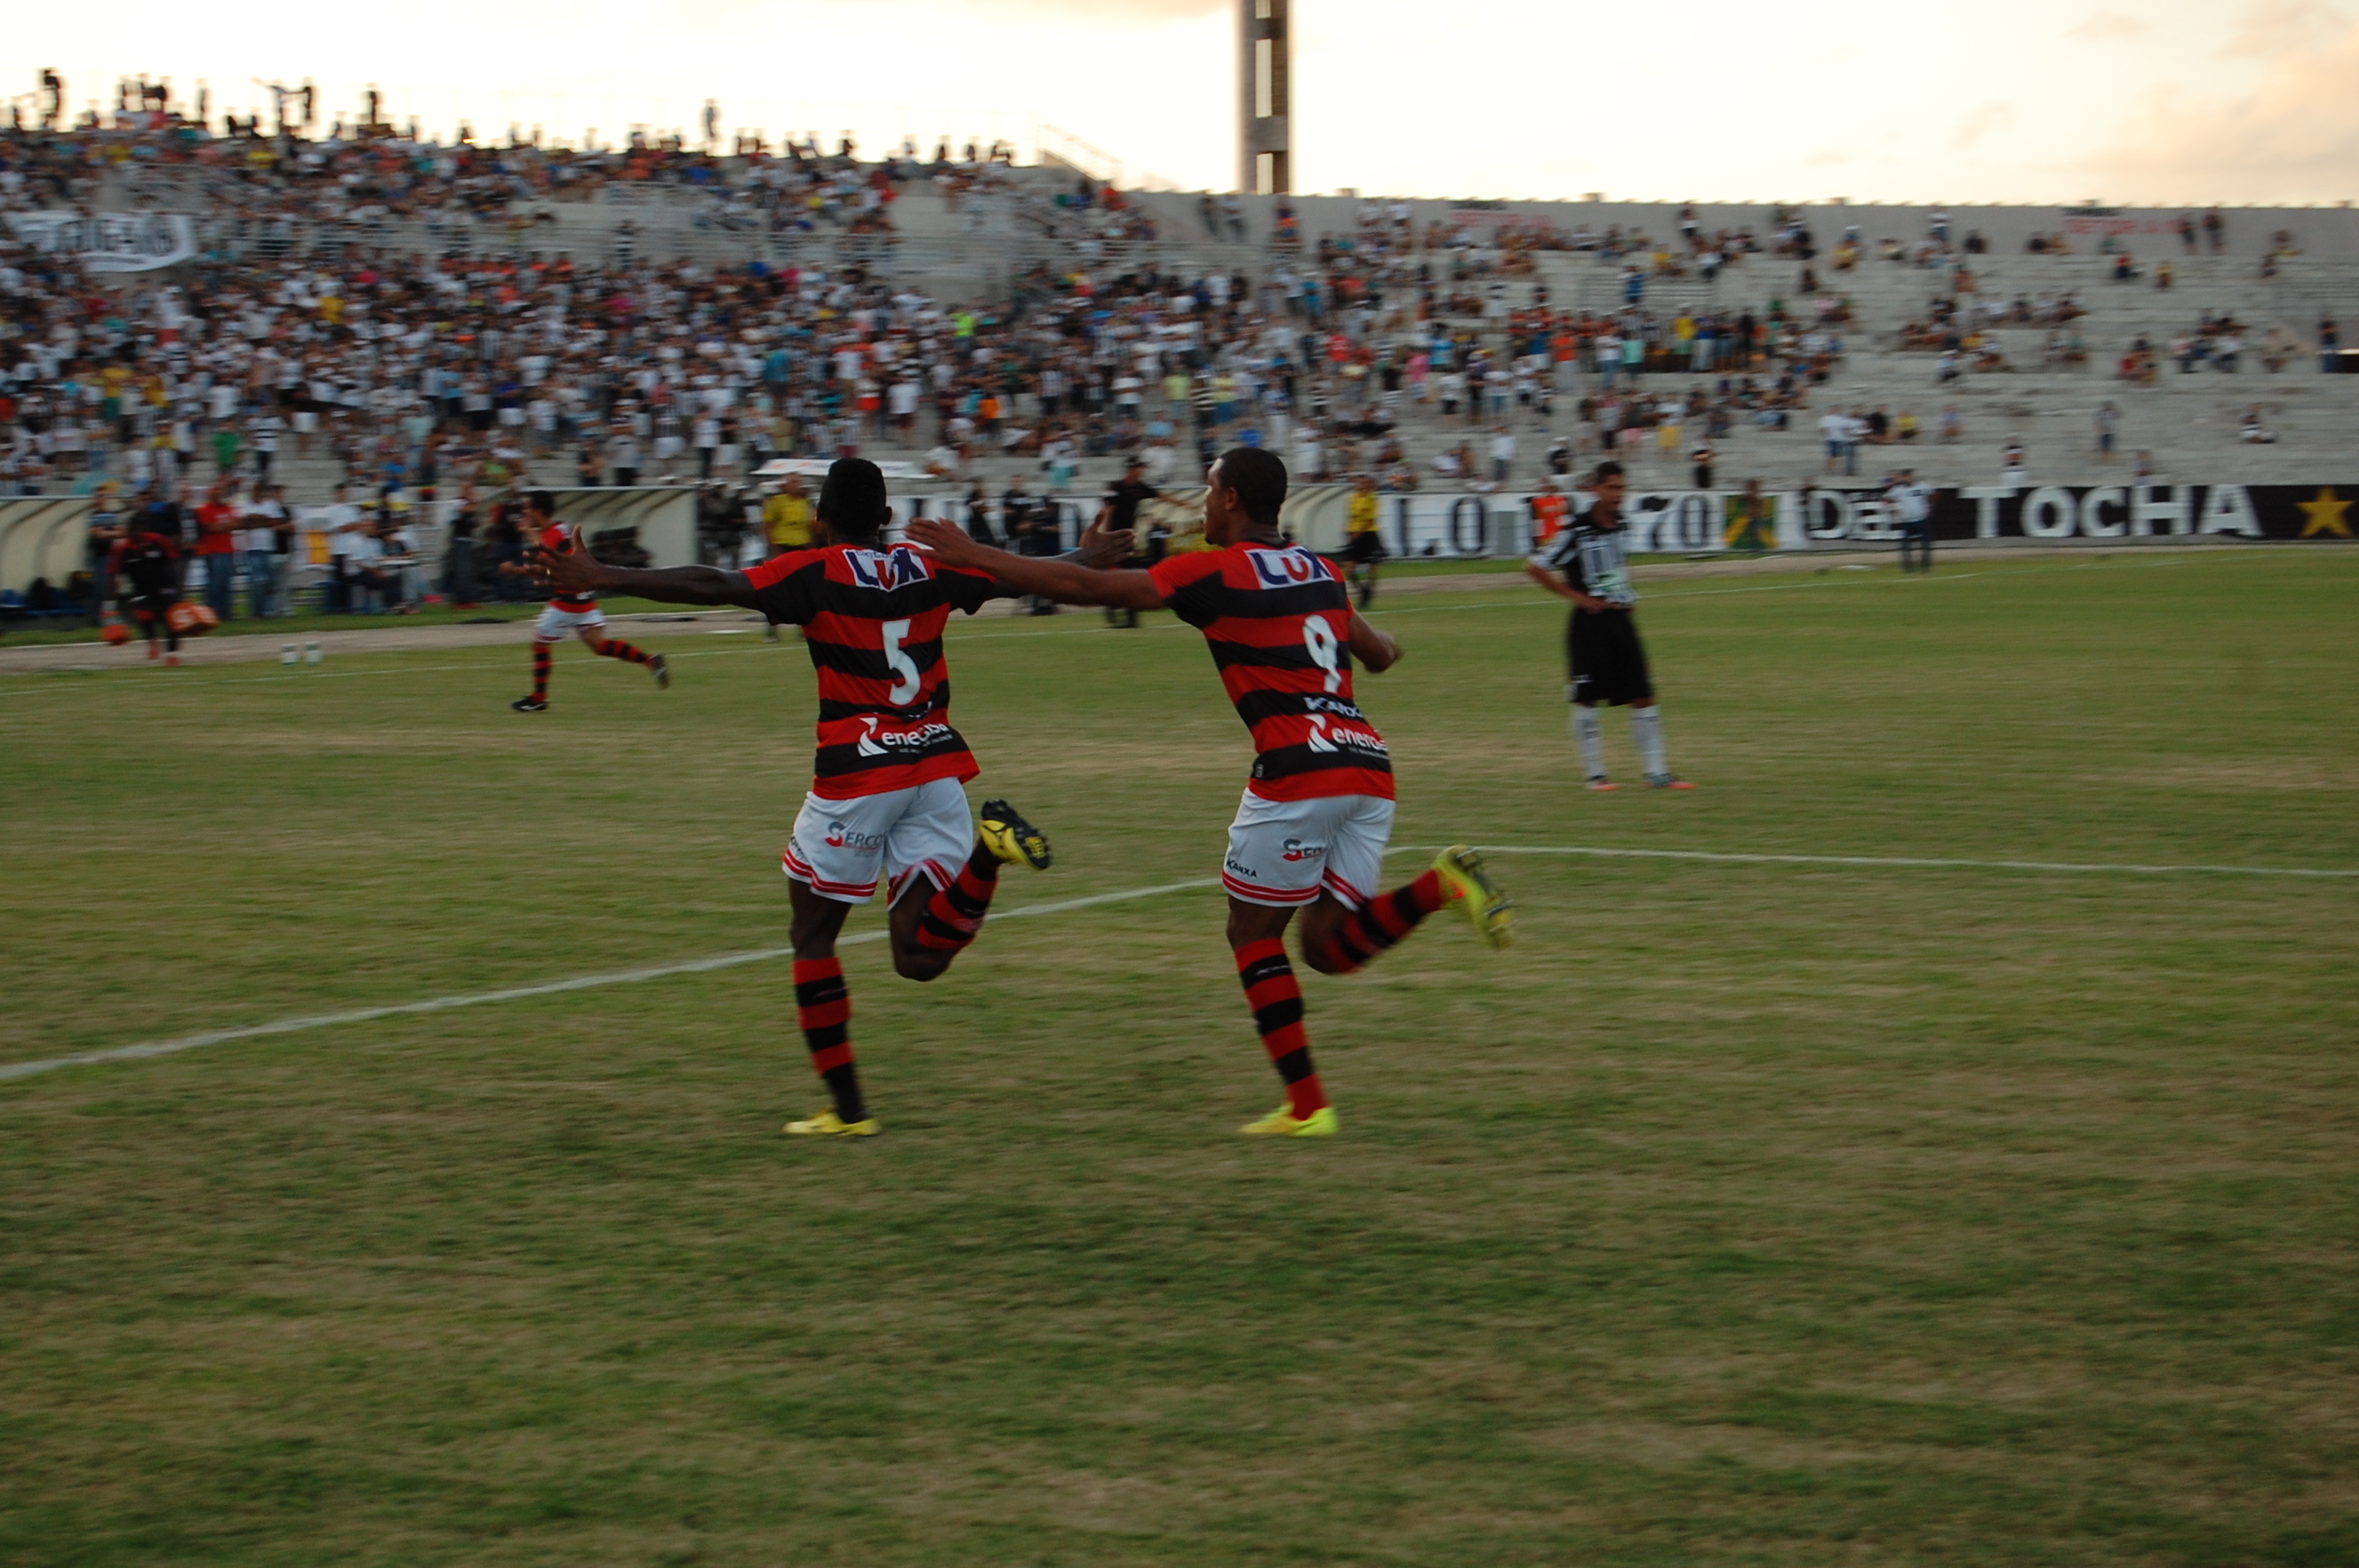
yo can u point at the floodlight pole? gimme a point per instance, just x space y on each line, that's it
1264 80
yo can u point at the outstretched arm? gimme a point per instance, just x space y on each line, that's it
1377 650
575 572
1061 578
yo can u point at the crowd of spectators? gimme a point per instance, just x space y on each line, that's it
454 380
373 170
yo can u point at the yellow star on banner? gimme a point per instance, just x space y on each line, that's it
2326 515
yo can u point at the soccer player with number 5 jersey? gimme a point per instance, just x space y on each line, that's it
1310 834
885 806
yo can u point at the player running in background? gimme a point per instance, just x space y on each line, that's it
1363 544
1589 563
1310 834
575 612
886 803
144 568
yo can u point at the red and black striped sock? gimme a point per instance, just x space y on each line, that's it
541 659
955 913
1381 921
616 648
823 1008
1277 1004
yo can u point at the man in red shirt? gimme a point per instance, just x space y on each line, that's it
886 803
1310 834
217 531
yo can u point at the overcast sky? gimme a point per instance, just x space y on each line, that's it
2040 101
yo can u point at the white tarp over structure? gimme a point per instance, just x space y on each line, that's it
110 241
42 536
816 468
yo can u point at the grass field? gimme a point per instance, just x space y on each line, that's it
1744 1213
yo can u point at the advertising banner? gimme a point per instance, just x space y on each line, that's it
1467 524
110 241
2096 512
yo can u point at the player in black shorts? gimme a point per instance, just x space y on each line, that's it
1589 563
145 568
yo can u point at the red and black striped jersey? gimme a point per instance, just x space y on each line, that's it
145 567
557 540
1280 624
872 620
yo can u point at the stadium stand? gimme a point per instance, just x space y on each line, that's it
412 320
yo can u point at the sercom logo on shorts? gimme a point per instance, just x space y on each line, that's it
840 837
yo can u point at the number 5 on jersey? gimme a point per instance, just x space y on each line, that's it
905 668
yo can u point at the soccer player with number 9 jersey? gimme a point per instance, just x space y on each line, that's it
1310 834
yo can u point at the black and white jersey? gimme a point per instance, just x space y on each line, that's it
1595 561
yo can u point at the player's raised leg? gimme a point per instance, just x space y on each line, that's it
1339 936
1351 924
594 638
940 913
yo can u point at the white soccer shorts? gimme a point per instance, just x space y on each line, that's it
556 625
843 849
1283 852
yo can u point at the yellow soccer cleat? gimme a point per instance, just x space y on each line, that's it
1010 839
1474 895
826 1124
1282 1123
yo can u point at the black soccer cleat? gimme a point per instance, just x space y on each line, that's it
530 705
1009 837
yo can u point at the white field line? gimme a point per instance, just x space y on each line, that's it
1906 861
546 988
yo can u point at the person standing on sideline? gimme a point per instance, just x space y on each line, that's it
1834 428
1122 500
1503 454
265 516
217 541
1912 504
1363 542
1590 564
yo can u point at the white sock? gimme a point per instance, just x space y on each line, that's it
1591 736
1646 729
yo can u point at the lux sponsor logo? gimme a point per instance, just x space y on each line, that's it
1283 568
886 570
